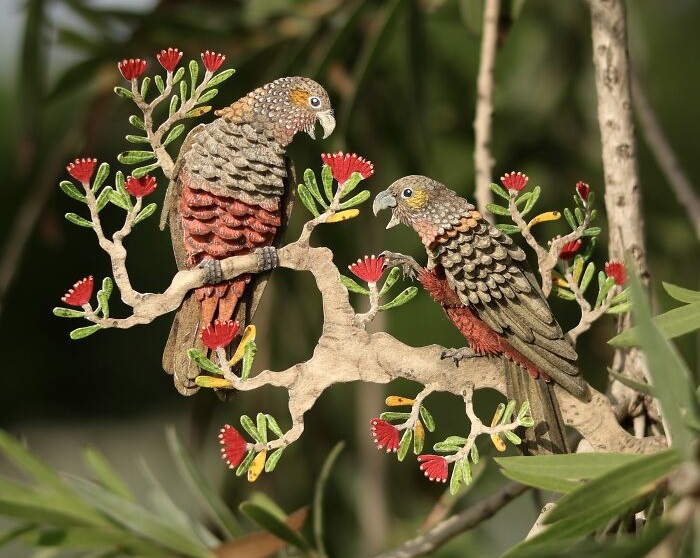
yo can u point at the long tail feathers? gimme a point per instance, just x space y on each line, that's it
548 435
184 334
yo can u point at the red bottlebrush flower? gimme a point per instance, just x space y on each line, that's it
82 169
583 189
212 60
343 165
235 446
140 187
617 271
514 181
370 269
81 292
132 68
434 467
385 435
169 58
570 249
219 334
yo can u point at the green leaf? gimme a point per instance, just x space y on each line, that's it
78 220
681 294
418 441
532 201
622 296
123 92
561 292
578 212
248 357
671 324
261 423
592 231
508 229
455 440
508 413
102 303
246 463
145 213
312 187
136 122
179 74
107 286
357 199
327 179
474 454
405 443
273 459
183 90
569 218
272 425
220 77
466 470
200 486
208 96
200 359
141 521
103 199
442 447
456 479
273 524
403 297
561 473
352 286
173 105
497 209
513 437
391 278
249 426
520 200
351 184
70 190
145 83
105 475
307 200
160 84
194 74
498 413
394 415
499 190
143 171
67 312
428 419
641 387
319 491
175 133
619 308
131 138
199 111
83 332
118 199
135 157
100 177
587 277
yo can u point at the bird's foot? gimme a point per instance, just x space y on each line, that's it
409 266
458 355
213 271
267 258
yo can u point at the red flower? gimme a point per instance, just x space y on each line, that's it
617 271
434 467
82 169
212 60
140 187
81 292
234 444
583 189
570 249
169 58
219 334
385 435
132 68
343 165
370 270
514 181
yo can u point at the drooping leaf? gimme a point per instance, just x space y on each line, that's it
403 297
352 286
70 190
105 474
390 280
83 332
681 294
78 220
671 324
312 187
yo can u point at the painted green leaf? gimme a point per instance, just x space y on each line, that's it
136 122
252 430
405 443
403 297
175 133
140 172
131 138
352 286
327 179
508 229
312 187
248 357
78 220
497 209
532 201
208 96
499 190
83 332
273 460
173 105
160 84
200 359
307 200
193 66
242 469
100 177
103 199
145 213
428 419
390 416
390 280
67 312
221 77
123 92
70 190
135 157
145 84
274 426
357 199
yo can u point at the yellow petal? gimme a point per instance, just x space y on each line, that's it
212 382
343 215
542 217
398 401
498 442
560 282
258 465
248 336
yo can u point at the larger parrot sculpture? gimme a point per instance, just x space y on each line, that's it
481 279
230 195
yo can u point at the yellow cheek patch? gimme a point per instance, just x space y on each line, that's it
418 199
299 97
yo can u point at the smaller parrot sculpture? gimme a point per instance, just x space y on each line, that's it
231 195
481 279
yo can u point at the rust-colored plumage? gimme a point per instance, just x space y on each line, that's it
481 279
230 196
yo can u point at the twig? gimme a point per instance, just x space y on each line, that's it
663 153
483 159
539 524
588 315
468 519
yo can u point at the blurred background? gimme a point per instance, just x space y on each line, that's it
402 76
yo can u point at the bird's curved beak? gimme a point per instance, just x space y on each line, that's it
327 121
385 200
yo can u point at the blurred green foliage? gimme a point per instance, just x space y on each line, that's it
401 74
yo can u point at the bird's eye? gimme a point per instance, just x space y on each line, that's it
314 102
407 193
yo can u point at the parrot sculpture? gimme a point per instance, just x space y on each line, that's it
230 194
481 279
